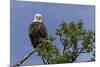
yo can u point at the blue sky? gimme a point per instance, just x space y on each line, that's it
22 14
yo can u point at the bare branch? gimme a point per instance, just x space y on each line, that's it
69 46
80 52
43 60
24 58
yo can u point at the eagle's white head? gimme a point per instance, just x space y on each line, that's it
37 18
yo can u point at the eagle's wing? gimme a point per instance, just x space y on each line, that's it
37 30
43 31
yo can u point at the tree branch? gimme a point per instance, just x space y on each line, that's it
62 44
68 47
63 50
24 58
43 60
80 52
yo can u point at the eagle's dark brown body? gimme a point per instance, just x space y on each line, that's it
37 30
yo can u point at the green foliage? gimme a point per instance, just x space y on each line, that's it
75 40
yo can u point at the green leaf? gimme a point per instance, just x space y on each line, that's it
58 32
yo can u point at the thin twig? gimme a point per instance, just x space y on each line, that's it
68 47
62 44
79 52
43 60
24 58
64 50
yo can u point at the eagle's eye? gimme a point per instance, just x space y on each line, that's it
38 17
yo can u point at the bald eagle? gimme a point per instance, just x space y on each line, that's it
37 30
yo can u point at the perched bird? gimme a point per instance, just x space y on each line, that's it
37 30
